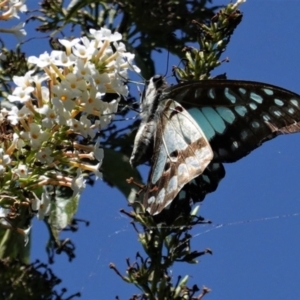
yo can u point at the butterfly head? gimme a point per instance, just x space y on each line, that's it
152 91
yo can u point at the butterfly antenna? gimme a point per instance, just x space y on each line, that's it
168 60
136 72
170 36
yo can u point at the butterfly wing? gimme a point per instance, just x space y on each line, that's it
238 116
204 184
181 153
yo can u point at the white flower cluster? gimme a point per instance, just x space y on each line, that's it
10 9
60 108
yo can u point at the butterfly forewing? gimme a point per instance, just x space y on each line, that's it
238 116
181 153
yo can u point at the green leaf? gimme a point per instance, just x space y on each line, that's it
116 169
63 210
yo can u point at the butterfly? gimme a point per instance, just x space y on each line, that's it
191 128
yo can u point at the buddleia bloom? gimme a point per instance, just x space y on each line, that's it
61 107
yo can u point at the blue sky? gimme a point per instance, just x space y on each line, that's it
257 250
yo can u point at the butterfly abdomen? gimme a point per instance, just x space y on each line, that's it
142 142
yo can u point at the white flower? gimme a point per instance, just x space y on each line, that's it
113 106
119 87
82 69
120 47
78 183
86 127
91 100
42 61
17 141
41 207
3 214
128 57
21 94
85 50
36 136
26 233
17 30
44 156
105 34
45 94
75 85
98 152
83 126
4 158
24 81
99 80
50 115
10 13
75 125
65 96
95 169
62 113
15 115
60 58
69 44
21 171
4 161
19 5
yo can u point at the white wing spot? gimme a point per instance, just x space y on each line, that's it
295 102
204 153
244 135
268 91
182 170
253 106
151 200
229 96
257 98
241 110
161 196
172 185
255 124
235 145
242 91
277 113
198 93
192 161
278 102
212 93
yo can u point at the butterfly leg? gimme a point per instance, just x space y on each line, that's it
141 187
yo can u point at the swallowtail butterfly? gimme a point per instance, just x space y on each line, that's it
216 121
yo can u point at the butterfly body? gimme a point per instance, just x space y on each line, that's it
220 121
151 110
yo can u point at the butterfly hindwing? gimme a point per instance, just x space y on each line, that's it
181 153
